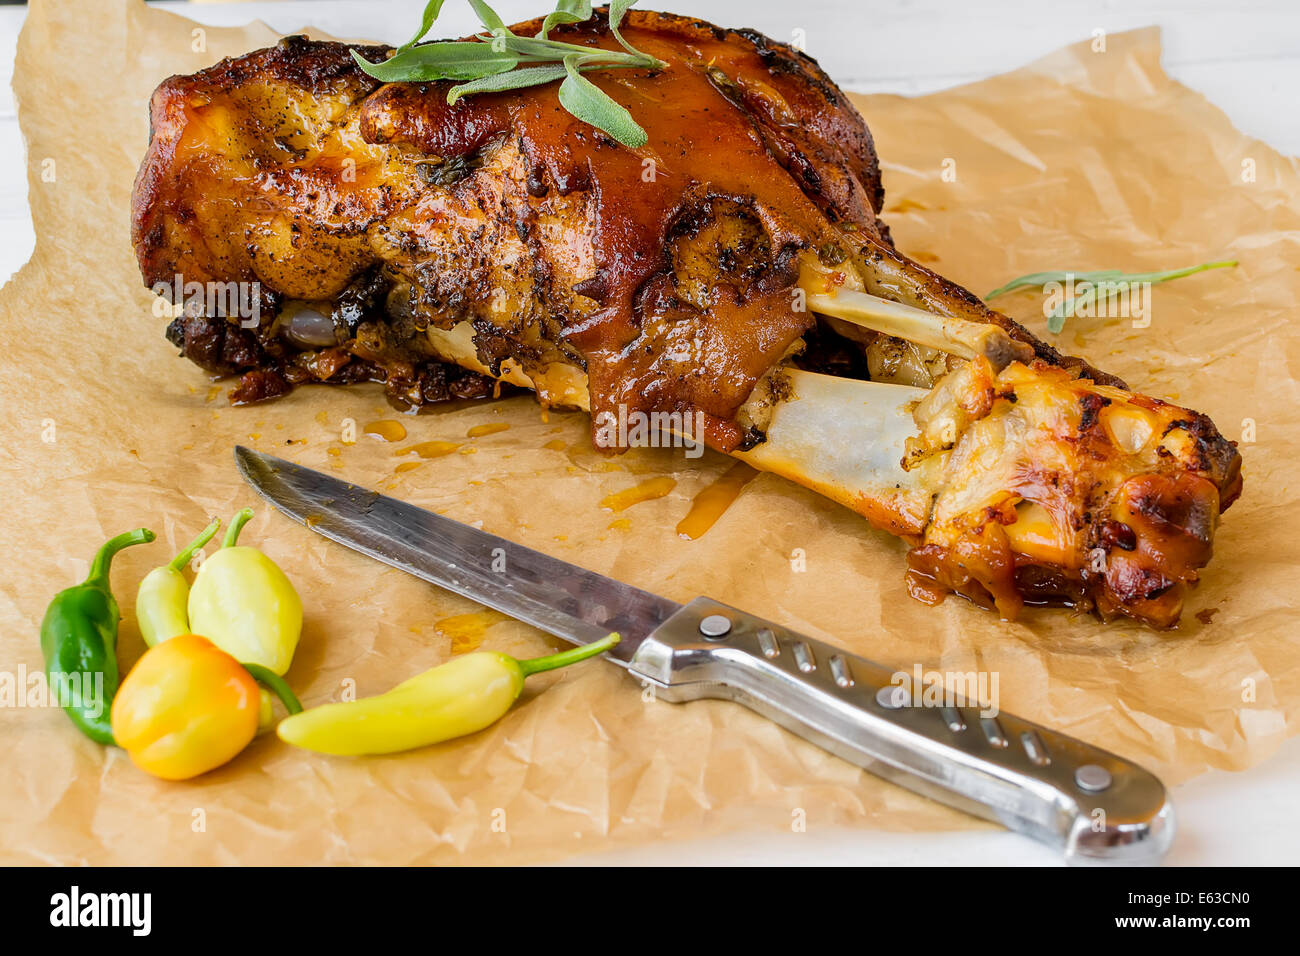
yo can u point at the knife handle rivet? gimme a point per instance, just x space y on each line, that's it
767 642
715 627
1034 748
1092 778
953 718
993 731
891 697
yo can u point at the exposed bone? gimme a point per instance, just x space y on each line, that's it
1029 468
955 336
839 294
843 438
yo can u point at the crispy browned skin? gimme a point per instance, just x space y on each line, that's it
666 274
1061 488
292 168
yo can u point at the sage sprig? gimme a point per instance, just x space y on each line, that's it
500 60
1105 282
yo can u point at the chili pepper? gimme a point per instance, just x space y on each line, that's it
243 603
265 711
266 698
162 609
79 642
188 707
457 698
161 603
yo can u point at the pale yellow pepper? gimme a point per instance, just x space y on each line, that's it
243 603
161 601
460 697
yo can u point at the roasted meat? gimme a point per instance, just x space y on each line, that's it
733 268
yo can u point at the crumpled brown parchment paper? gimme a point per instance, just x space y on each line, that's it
1084 159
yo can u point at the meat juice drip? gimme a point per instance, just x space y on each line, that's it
478 431
467 631
431 449
713 501
386 430
645 350
645 491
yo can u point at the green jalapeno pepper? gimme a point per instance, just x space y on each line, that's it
457 698
162 601
79 642
242 602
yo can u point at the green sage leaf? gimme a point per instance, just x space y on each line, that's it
1097 284
431 11
445 60
553 50
489 17
591 104
617 10
512 80
566 11
1103 275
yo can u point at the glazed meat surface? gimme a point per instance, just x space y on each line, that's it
667 274
443 250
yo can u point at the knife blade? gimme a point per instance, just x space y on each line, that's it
559 598
1092 804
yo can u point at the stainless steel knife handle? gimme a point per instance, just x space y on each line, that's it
1094 805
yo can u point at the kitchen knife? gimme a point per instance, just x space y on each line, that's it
1094 805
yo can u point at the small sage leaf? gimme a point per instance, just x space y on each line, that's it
447 60
489 17
589 103
431 12
513 80
566 11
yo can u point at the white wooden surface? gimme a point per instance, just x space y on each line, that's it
1244 56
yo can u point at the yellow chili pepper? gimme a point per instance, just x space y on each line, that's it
457 698
188 707
243 603
161 601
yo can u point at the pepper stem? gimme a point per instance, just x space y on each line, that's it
104 556
268 677
236 525
564 658
204 537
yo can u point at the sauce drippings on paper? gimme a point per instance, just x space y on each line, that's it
467 631
711 502
386 430
431 449
645 491
478 431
